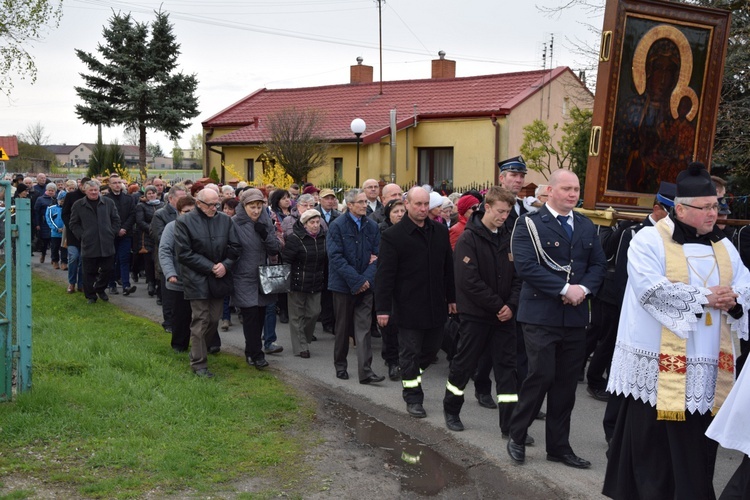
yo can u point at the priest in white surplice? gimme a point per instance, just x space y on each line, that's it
684 308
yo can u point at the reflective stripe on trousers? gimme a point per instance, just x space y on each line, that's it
454 390
507 398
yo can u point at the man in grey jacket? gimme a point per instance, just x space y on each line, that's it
181 311
207 246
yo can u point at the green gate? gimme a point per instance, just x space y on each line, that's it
15 293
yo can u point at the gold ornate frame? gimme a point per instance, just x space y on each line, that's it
658 84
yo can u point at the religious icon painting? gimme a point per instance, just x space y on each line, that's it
658 85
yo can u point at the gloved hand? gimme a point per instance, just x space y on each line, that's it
262 230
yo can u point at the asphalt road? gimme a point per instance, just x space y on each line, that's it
482 430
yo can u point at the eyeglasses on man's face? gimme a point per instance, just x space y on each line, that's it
210 205
705 208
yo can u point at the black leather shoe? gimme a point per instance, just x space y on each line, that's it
541 415
314 338
529 440
453 422
214 349
571 460
204 373
485 401
598 394
127 291
372 379
261 363
342 375
517 452
416 410
103 296
394 372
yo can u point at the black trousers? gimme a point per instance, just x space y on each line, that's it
327 317
167 306
738 487
554 355
389 345
253 319
482 382
475 339
417 349
522 361
658 459
605 349
181 316
97 271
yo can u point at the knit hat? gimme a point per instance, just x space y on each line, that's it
465 203
21 188
308 214
435 200
447 203
61 195
695 182
310 190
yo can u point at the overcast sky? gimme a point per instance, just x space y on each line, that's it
236 47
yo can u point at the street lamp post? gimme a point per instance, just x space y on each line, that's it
358 127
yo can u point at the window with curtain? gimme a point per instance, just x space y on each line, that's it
435 165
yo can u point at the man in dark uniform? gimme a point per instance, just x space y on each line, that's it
561 262
487 290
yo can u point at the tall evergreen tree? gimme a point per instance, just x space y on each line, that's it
136 82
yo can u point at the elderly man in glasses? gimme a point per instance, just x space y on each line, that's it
207 246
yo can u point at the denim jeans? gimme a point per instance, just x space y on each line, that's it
226 314
75 268
269 327
122 262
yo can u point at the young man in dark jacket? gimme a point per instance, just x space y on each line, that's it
487 291
124 237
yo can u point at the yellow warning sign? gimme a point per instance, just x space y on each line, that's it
3 156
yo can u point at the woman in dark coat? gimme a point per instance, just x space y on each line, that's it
393 212
305 250
258 237
144 243
40 222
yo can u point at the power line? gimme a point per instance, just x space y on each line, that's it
206 20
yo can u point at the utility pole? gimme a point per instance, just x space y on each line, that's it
551 62
380 41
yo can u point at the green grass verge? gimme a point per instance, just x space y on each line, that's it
115 413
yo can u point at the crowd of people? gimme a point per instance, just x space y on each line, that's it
655 310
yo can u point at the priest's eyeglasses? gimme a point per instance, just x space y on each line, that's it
706 208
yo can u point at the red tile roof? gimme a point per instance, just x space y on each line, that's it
431 98
10 144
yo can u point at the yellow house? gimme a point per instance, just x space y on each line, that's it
445 128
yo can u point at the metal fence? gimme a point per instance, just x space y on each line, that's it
15 293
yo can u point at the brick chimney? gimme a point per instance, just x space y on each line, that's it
360 73
443 68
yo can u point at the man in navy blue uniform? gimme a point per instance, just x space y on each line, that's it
558 256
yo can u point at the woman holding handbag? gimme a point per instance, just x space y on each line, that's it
259 242
144 243
305 250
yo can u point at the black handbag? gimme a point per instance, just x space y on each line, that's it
275 278
218 288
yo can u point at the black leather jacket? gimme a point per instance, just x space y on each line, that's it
201 242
